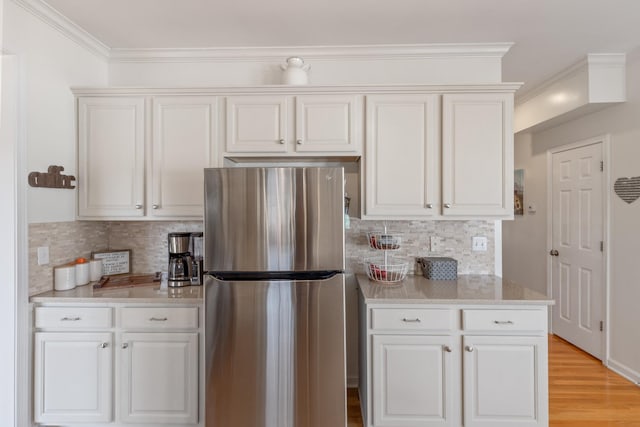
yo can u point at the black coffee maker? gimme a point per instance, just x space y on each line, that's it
180 260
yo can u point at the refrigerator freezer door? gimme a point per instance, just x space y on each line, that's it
274 219
275 353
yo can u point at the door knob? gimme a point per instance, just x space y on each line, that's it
554 252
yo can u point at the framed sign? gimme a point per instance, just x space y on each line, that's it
114 261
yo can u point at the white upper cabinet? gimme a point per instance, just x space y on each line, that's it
118 139
477 155
323 125
111 157
182 146
402 156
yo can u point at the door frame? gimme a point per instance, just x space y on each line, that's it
604 140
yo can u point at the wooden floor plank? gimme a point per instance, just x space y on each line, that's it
582 392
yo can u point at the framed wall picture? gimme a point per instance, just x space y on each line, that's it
518 192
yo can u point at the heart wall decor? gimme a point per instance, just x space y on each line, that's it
628 189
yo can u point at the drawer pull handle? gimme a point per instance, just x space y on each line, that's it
125 345
104 345
70 319
469 348
503 322
158 319
416 320
448 349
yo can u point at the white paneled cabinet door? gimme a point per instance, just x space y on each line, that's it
73 377
182 146
327 123
256 124
477 155
110 157
412 381
503 381
159 378
402 156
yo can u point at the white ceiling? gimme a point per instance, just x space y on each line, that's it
548 35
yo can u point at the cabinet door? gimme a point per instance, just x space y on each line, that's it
110 157
159 378
412 381
183 145
73 377
401 156
256 124
327 123
477 155
505 381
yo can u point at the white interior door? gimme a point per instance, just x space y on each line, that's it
577 272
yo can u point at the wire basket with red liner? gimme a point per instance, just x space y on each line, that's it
383 240
387 269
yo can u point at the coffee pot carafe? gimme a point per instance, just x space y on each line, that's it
180 260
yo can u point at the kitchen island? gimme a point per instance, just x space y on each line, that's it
471 351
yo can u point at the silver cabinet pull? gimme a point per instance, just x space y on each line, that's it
429 205
70 319
138 206
447 205
416 320
125 345
299 142
448 349
281 140
155 206
554 252
469 348
104 345
158 319
503 322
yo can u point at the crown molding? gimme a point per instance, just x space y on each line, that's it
64 25
328 53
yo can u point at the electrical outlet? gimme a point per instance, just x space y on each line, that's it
479 243
43 255
435 243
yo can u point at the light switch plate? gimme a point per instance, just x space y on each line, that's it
479 243
43 255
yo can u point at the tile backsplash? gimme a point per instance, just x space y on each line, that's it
148 242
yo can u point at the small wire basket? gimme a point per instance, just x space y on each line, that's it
387 270
384 241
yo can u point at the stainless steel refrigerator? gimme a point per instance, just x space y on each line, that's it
274 297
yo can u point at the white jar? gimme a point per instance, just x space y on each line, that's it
82 273
64 277
295 72
95 269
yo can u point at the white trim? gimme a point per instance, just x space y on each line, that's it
497 242
329 53
65 26
604 141
624 371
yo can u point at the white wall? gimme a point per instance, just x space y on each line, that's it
50 64
524 240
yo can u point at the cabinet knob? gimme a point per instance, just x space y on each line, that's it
104 345
429 205
281 140
554 252
155 206
138 206
448 349
125 345
299 142
447 205
469 348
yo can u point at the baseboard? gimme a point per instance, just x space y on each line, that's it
624 371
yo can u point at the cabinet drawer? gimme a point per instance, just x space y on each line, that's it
73 317
504 320
159 317
412 319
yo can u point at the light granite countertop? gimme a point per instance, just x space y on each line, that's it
467 289
135 294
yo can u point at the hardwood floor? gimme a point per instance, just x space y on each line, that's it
582 392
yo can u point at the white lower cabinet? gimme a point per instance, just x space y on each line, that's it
159 378
429 366
141 369
73 377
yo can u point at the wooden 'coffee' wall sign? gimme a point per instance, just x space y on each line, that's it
52 178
